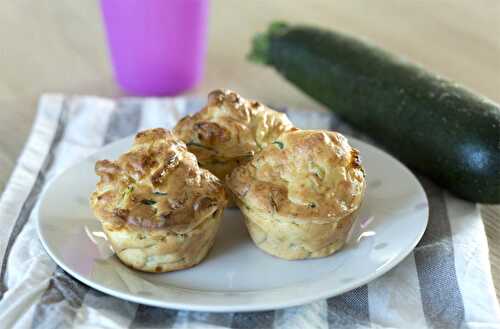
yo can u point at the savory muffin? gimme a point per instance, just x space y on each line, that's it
300 194
229 131
158 208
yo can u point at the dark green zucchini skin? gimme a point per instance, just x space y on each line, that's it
431 124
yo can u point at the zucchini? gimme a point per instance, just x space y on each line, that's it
431 124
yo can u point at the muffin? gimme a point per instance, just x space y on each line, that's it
229 131
300 194
158 208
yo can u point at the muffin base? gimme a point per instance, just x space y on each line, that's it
162 250
291 240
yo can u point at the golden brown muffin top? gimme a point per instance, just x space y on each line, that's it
156 185
230 130
303 175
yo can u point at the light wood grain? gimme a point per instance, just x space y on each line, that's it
59 46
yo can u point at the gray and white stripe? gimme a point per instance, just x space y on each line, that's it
31 199
59 303
252 320
472 264
395 299
147 317
349 310
313 315
434 257
122 122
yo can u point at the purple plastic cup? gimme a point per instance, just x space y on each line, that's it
157 47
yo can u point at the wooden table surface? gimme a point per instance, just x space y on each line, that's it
59 46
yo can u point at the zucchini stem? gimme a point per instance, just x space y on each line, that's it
259 53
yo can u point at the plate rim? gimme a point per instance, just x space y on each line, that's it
249 307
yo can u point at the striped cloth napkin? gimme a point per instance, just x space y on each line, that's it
444 283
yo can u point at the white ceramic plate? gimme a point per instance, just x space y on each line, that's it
236 275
